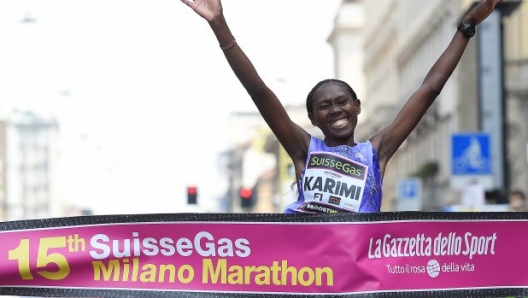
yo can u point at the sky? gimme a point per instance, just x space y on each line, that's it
142 92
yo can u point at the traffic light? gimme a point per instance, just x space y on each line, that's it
192 195
246 197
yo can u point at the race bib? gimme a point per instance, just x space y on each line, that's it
332 184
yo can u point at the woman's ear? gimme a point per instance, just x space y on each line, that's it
312 118
357 102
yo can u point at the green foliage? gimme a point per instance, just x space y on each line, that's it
427 171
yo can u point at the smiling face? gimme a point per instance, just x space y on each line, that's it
335 112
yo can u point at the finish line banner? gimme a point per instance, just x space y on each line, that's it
407 254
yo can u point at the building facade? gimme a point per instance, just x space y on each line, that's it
30 159
516 80
400 44
248 165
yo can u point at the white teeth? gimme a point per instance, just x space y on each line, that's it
340 123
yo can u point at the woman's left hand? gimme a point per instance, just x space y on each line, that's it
481 11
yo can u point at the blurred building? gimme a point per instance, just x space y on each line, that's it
401 39
396 64
516 80
247 165
29 159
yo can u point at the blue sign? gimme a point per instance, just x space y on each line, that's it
409 189
470 154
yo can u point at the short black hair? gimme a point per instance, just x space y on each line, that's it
310 98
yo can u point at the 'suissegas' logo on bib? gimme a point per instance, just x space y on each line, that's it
332 184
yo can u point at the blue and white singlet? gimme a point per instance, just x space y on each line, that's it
339 179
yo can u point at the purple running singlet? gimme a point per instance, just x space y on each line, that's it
339 179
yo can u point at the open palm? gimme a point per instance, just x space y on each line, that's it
207 9
483 10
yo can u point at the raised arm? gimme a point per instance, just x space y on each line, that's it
289 134
388 140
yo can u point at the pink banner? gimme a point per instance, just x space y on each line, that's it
266 257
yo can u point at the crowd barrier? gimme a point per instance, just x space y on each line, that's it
400 254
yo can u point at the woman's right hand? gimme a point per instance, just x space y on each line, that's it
207 9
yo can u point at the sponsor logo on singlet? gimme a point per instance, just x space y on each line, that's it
332 184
